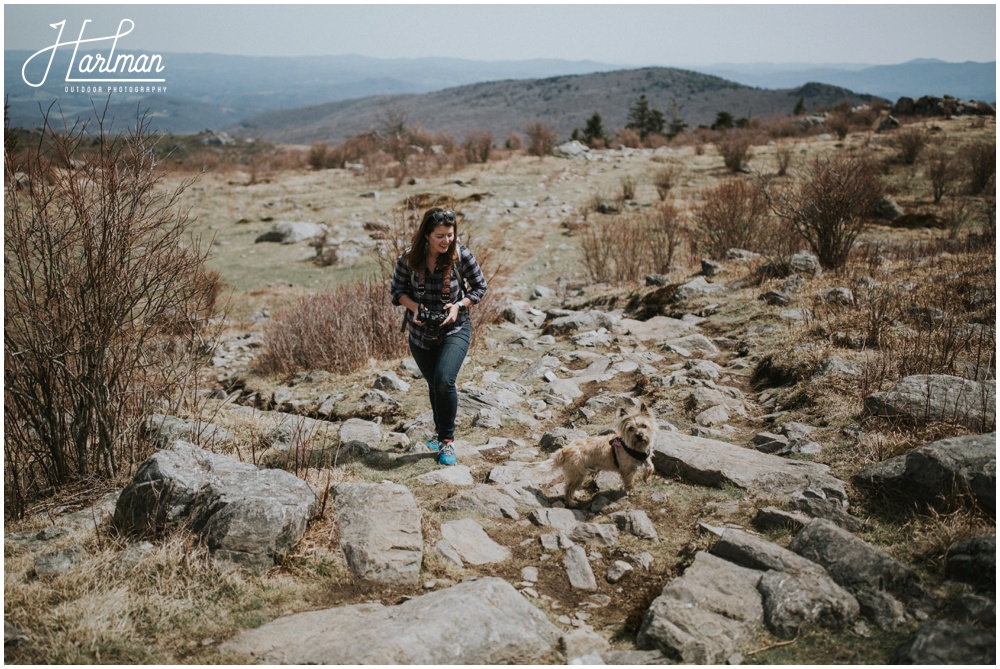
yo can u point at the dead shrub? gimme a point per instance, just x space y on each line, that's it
941 173
665 179
735 148
980 159
628 248
107 301
627 138
783 159
732 216
477 146
628 188
830 208
542 138
909 143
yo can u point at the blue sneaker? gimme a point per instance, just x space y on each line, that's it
432 445
446 456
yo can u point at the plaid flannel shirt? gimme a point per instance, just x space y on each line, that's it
407 282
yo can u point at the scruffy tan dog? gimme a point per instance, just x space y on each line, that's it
628 453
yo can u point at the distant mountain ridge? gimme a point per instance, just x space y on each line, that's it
916 78
220 91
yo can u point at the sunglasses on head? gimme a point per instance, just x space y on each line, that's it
444 215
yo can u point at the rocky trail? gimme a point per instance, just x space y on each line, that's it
742 545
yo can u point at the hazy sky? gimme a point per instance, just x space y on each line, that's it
633 35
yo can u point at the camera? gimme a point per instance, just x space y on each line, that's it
432 320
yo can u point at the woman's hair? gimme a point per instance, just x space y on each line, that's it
417 255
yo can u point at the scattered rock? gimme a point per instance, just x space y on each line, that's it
636 523
805 263
560 519
974 561
164 430
594 534
484 500
290 232
58 562
581 576
617 571
457 476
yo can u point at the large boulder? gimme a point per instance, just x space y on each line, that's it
974 561
717 464
706 615
248 516
485 622
875 578
581 322
380 531
797 593
938 398
937 471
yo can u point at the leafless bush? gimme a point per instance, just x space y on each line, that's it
665 179
830 208
941 172
839 122
910 143
339 331
477 146
627 248
732 216
318 156
627 138
735 148
513 142
107 299
981 164
541 138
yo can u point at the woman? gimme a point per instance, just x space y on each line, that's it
430 282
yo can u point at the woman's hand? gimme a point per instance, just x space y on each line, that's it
416 314
453 310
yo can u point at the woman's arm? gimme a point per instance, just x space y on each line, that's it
472 273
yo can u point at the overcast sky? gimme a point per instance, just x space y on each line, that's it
631 35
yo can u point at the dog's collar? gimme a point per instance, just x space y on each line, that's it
618 441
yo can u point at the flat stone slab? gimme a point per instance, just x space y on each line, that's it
380 531
483 500
483 622
716 464
472 543
657 328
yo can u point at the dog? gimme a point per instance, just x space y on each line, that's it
629 453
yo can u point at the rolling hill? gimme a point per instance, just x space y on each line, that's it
564 102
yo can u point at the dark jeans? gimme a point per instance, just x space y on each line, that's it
440 366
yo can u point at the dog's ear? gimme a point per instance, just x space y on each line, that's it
647 410
621 413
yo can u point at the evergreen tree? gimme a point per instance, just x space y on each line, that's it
800 107
643 119
594 130
723 120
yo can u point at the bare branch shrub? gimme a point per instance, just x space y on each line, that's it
732 216
477 146
107 299
909 143
665 179
628 248
980 164
338 331
542 138
735 148
627 138
628 188
941 172
830 208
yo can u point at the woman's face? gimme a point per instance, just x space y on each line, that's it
441 238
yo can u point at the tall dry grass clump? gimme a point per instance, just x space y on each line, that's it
734 215
107 300
831 206
980 159
542 138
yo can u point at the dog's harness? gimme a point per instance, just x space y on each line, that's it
618 441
